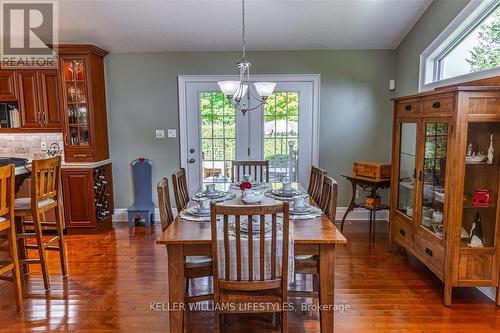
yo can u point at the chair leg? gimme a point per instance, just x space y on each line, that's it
60 233
41 250
284 322
16 274
216 321
23 252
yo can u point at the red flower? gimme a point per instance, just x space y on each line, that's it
245 185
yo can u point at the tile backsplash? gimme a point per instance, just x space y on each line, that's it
28 145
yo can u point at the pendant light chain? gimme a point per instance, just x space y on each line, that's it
243 41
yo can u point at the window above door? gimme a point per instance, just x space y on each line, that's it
468 49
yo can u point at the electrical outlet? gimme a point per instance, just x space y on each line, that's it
172 133
61 145
43 145
160 134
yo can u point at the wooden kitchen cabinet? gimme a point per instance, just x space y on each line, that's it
31 117
88 196
49 93
84 103
443 184
7 86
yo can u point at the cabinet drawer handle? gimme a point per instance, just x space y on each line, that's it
402 232
428 251
436 105
80 155
408 107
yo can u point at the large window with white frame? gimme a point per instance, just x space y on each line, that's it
468 49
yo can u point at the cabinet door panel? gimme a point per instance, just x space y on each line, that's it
78 198
432 191
407 154
49 91
29 100
7 86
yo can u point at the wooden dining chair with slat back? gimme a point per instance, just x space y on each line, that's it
181 191
309 264
328 202
315 183
258 169
242 283
7 180
194 266
45 196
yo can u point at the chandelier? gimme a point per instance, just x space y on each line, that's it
237 90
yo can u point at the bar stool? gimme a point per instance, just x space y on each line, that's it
45 195
7 179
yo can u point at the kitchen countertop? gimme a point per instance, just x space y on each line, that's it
80 165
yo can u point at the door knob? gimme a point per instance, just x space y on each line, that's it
191 160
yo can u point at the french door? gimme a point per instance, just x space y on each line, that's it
213 133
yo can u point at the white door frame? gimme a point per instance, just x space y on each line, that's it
183 80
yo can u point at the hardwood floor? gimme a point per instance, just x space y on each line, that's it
114 276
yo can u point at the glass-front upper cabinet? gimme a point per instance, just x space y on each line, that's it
481 185
433 176
76 101
407 167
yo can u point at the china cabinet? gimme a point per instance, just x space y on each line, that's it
446 175
84 103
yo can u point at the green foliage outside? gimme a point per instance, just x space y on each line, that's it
487 53
218 128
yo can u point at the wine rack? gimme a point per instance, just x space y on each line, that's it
101 193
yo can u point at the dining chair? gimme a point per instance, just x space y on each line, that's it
7 193
309 264
181 192
45 196
258 169
328 202
247 285
315 183
194 266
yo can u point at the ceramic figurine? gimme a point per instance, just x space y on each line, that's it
476 233
491 151
469 149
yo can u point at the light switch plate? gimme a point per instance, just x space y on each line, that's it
172 133
43 145
160 134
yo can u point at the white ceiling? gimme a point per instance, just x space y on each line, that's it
215 25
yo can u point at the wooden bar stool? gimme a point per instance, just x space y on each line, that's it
7 180
45 195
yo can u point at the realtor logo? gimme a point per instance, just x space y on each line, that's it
27 30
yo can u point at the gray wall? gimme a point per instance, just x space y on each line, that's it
435 19
142 96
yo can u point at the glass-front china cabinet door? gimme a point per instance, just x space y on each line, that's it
481 184
75 91
407 168
435 151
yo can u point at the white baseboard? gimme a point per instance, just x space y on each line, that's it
358 214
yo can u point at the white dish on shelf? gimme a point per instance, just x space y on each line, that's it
477 159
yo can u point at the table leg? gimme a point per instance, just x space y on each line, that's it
371 224
351 207
327 287
374 224
176 287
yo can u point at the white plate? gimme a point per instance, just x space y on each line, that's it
287 194
195 211
214 195
302 210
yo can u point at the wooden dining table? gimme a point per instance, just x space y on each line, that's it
317 236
